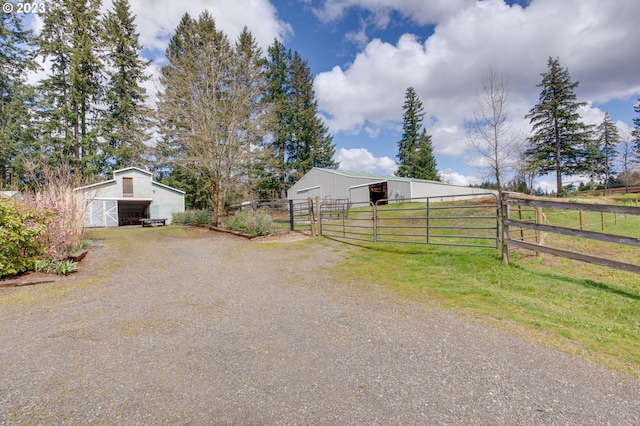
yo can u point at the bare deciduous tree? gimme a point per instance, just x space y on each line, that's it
489 132
626 151
210 112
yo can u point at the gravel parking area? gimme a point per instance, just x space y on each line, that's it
169 325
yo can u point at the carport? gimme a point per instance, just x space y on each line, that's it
131 211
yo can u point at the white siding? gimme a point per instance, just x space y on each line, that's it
161 199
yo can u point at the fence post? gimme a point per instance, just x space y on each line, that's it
291 216
428 221
312 219
374 218
520 218
317 217
505 229
581 220
539 233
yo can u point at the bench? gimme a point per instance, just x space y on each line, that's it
153 222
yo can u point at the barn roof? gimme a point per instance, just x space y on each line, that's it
128 169
375 176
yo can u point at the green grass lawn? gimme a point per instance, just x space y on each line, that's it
579 308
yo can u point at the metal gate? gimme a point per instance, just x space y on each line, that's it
471 220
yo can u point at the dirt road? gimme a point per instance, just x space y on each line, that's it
187 326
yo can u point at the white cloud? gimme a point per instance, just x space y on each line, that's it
597 41
418 11
156 20
454 178
361 160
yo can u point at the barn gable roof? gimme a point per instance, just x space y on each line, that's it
377 176
125 171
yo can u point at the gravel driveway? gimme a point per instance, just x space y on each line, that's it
187 326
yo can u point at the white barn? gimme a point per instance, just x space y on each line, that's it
131 195
366 187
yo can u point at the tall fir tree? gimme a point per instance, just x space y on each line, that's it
16 98
311 144
299 138
273 173
71 39
424 162
608 139
593 160
126 121
559 135
415 149
250 84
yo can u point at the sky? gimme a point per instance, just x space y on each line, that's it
364 54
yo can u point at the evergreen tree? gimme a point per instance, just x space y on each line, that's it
251 86
126 122
310 143
558 133
415 149
273 177
608 139
16 98
299 138
424 163
593 160
70 37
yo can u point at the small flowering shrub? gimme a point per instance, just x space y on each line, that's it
23 236
44 225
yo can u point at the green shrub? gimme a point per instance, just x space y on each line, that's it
254 223
201 217
177 218
191 217
22 236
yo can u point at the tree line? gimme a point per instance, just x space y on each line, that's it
560 142
230 122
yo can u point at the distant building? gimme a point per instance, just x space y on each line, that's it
369 187
130 196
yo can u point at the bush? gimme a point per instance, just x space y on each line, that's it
191 217
23 237
45 225
177 218
254 223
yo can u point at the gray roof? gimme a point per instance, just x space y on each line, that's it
375 176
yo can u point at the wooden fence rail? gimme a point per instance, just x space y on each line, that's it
511 200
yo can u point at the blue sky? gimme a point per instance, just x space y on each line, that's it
365 53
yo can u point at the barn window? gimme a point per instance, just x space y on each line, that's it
127 187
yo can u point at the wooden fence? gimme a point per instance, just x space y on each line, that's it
512 203
614 191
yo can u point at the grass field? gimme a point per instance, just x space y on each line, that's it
579 308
